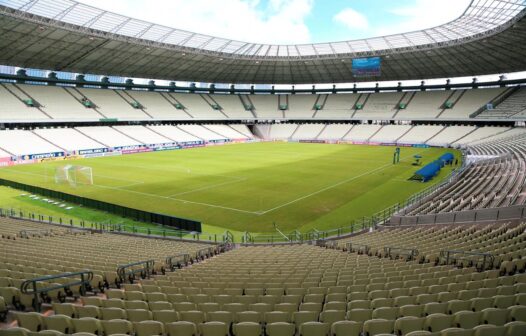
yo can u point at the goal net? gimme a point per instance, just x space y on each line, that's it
74 175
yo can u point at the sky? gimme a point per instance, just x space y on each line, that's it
290 21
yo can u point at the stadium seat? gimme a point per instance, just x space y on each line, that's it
281 329
88 325
214 328
148 328
181 328
246 329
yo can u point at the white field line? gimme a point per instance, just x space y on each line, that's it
182 168
263 212
150 195
178 200
132 183
211 186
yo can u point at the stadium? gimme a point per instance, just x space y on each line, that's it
156 180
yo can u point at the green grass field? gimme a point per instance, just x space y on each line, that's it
248 187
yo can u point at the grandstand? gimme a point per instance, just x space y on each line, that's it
322 231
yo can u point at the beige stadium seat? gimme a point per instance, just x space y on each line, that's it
420 333
136 304
181 328
138 315
495 316
405 325
117 326
467 319
411 310
304 316
17 331
67 309
378 326
314 329
165 316
331 316
249 316
246 329
280 329
346 328
214 328
515 328
113 313
50 333
277 316
517 313
61 323
194 316
359 315
88 311
489 330
437 322
88 325
31 321
148 328
456 332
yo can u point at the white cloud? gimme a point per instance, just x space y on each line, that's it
279 22
423 14
352 19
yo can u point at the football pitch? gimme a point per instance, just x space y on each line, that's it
250 187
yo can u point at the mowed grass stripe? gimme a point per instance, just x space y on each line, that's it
248 187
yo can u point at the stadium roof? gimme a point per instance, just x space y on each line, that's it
488 38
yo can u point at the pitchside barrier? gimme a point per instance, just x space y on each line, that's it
135 214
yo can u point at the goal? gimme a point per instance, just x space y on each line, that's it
74 175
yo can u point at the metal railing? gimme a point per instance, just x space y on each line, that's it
129 271
396 252
177 261
38 289
481 260
354 247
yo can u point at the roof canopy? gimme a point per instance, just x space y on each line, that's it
66 35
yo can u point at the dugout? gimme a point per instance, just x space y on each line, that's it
427 172
447 158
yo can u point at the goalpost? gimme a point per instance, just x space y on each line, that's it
74 175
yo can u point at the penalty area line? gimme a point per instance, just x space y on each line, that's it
263 212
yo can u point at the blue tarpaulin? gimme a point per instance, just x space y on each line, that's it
427 172
447 157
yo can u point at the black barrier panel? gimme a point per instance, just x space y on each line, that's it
139 215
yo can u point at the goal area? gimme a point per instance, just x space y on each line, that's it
74 175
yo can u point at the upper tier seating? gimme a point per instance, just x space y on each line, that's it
380 106
338 106
265 106
470 101
232 106
59 104
301 106
111 104
13 109
424 105
512 107
158 105
66 103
